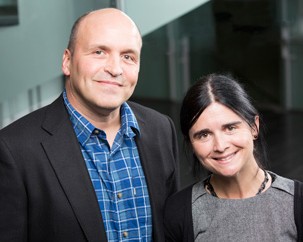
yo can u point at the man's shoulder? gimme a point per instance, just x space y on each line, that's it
137 107
146 113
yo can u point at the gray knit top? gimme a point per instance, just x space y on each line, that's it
268 216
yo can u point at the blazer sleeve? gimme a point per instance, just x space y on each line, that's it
298 208
176 180
13 206
178 225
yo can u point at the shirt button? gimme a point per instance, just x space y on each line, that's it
125 234
119 195
96 131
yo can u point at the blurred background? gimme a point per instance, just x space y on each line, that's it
260 42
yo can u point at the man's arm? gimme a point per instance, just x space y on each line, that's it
13 203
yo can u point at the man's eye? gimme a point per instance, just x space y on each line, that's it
128 57
231 127
98 52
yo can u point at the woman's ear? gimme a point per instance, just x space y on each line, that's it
255 129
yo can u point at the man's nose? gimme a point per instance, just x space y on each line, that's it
113 66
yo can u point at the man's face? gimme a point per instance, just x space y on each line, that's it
103 69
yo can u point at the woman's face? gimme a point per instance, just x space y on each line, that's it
223 141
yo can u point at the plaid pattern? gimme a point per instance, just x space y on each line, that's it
117 176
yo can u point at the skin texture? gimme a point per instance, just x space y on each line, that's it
223 143
102 71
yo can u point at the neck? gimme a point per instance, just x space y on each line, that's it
101 117
240 186
104 119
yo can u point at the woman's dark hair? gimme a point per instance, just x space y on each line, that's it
227 91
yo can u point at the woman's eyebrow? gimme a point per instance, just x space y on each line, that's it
231 124
199 132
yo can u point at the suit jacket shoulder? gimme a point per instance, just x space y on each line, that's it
34 121
144 113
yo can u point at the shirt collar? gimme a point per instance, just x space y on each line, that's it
84 129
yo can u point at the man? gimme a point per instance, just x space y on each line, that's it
90 166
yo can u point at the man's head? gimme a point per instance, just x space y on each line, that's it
102 61
74 31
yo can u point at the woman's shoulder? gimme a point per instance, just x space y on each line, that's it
282 183
181 195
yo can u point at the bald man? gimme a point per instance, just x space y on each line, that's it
91 166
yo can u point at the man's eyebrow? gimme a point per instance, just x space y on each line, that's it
104 47
131 51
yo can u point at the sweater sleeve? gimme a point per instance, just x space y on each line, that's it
178 217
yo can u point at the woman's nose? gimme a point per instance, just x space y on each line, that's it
220 143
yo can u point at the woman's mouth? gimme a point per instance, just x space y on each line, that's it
225 158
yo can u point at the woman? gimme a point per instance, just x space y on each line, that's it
239 200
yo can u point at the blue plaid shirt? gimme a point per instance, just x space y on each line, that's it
117 176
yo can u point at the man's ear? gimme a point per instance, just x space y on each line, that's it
66 59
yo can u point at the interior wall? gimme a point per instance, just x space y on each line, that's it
30 61
151 15
31 51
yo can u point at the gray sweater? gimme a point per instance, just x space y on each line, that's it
265 217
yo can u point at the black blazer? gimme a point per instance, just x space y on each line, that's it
45 190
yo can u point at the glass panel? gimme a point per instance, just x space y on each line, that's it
240 37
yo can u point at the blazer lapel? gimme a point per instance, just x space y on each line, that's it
65 156
144 144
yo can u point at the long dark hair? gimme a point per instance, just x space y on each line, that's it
229 92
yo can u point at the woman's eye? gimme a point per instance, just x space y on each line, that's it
203 136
